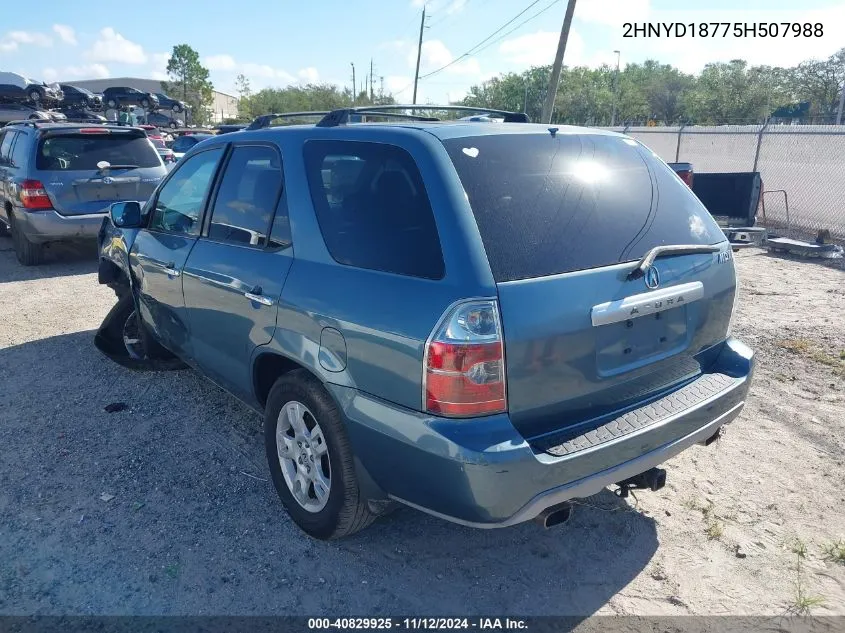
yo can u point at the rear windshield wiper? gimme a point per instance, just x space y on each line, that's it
110 167
647 260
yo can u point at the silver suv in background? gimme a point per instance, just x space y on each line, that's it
19 112
58 180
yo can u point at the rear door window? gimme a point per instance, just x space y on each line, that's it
247 197
549 204
82 152
372 207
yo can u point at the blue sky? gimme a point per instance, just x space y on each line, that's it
277 42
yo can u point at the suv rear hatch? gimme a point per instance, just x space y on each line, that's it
67 160
564 218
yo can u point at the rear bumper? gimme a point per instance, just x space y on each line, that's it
482 473
49 226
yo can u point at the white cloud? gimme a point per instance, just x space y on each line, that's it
539 48
394 45
219 62
158 75
264 75
13 39
399 85
309 75
113 47
613 12
436 55
456 6
65 33
69 73
160 61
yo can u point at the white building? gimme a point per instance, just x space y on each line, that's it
223 106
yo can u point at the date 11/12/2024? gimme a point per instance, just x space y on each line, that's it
723 29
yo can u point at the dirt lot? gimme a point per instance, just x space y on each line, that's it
165 508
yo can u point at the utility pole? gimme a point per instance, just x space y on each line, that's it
419 54
381 90
841 104
354 94
549 105
371 79
615 89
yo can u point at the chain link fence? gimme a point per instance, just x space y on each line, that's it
802 167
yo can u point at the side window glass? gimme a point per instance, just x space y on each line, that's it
280 235
372 207
180 201
19 149
247 198
6 146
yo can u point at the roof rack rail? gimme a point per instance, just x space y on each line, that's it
265 119
30 122
342 115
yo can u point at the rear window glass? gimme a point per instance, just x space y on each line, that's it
553 204
82 152
372 207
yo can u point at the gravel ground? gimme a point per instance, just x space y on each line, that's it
165 508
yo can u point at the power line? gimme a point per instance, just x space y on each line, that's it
484 41
451 15
517 27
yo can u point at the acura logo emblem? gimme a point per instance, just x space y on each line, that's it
652 278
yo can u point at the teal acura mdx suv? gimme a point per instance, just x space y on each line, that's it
479 319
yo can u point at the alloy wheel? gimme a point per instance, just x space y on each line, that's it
303 456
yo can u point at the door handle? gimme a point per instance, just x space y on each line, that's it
255 295
170 269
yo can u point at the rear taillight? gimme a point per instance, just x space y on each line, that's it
34 196
464 372
686 175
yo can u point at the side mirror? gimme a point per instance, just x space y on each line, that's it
126 215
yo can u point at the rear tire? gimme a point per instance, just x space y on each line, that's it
345 511
28 253
35 96
112 103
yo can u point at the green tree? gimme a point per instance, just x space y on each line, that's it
244 94
820 83
189 80
732 93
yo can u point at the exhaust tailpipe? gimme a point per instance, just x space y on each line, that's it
557 515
